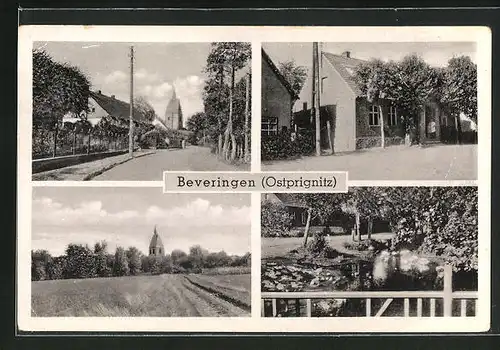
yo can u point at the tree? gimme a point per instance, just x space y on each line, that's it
197 256
101 259
120 267
275 220
40 259
294 74
80 262
459 90
228 57
142 105
376 81
58 89
134 260
415 83
177 255
199 125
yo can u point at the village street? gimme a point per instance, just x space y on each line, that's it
437 162
151 167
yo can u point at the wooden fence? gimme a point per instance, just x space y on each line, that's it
447 295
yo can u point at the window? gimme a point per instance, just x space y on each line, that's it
393 116
374 116
303 217
269 126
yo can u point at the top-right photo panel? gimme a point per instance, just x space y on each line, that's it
381 111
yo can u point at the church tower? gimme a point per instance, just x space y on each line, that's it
156 246
173 113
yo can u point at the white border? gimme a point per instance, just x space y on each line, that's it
255 35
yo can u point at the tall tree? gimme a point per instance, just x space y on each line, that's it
227 58
199 125
415 82
376 81
294 74
101 259
120 266
134 260
58 89
80 262
459 90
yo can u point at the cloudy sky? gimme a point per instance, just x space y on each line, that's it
435 53
158 67
127 216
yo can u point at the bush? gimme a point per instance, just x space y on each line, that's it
281 146
276 221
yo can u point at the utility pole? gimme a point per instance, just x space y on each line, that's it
131 120
316 98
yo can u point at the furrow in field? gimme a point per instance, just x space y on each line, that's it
225 305
188 305
238 298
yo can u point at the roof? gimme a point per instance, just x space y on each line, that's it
290 201
280 76
345 66
117 108
173 105
155 240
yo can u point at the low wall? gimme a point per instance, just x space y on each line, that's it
46 164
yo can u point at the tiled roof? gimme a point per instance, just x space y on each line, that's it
278 74
345 66
116 108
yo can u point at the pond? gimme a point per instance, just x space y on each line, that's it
401 271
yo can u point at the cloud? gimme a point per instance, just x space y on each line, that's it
142 75
115 77
198 213
215 227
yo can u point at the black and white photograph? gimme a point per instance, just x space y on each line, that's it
94 254
111 111
369 107
371 252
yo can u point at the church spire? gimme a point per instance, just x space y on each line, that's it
174 95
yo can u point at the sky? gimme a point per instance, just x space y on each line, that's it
435 53
158 67
127 216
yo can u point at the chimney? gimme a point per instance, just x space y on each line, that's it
346 54
304 106
99 92
113 97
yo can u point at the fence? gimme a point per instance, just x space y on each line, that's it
447 296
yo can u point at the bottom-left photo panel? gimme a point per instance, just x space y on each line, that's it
127 252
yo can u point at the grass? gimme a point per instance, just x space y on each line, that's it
232 270
154 296
272 247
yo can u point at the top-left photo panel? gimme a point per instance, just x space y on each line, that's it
115 111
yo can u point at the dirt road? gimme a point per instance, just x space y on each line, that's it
155 296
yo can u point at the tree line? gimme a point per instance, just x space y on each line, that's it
439 220
80 261
225 122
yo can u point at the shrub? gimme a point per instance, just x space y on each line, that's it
281 146
276 221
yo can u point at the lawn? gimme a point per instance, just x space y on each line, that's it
272 247
437 162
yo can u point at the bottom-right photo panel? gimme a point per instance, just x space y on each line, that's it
373 251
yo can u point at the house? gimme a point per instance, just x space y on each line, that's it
339 222
103 106
278 98
355 122
173 113
156 245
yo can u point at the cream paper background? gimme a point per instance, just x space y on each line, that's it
255 35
